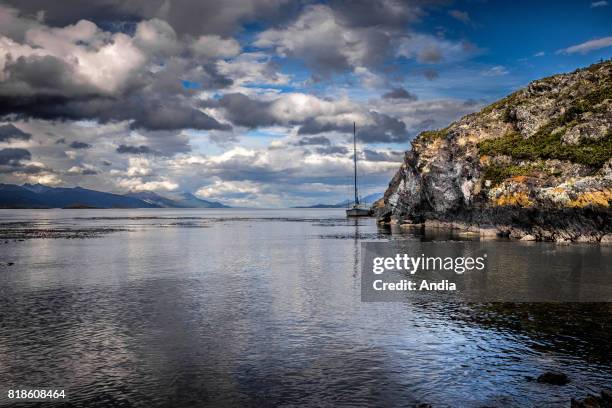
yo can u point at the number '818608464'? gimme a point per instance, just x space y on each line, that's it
36 394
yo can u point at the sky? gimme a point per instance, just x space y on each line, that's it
252 102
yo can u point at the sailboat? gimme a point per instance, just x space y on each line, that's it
356 210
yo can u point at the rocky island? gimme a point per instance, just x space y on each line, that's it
535 165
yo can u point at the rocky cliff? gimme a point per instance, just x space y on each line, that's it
536 165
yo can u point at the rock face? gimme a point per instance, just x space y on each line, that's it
535 165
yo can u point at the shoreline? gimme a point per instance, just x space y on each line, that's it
510 232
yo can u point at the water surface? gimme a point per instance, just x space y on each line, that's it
262 308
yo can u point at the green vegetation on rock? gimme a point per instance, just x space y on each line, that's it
431 135
498 173
588 103
547 142
542 145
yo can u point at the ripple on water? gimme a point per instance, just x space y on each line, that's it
260 311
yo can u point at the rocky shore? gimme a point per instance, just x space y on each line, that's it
536 165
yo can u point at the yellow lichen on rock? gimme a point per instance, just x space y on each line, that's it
592 198
519 198
519 179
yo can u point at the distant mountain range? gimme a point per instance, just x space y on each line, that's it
369 199
39 196
175 200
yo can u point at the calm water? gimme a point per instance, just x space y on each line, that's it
262 308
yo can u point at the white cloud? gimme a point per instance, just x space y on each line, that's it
252 68
213 46
13 26
369 79
138 184
242 194
274 164
139 166
47 179
601 3
83 169
587 46
325 42
430 49
299 106
221 189
462 16
99 58
497 70
156 36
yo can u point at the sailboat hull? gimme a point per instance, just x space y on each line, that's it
358 212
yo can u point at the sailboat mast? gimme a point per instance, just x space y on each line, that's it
356 202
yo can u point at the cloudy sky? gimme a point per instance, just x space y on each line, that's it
251 102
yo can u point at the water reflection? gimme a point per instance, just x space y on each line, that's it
262 308
356 249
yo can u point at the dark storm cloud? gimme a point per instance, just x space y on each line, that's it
318 38
201 73
49 87
45 88
80 145
167 143
315 140
160 114
385 129
342 35
328 42
146 87
244 111
154 112
8 132
400 93
161 144
332 150
40 75
11 161
376 13
14 156
193 17
311 127
142 149
371 155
